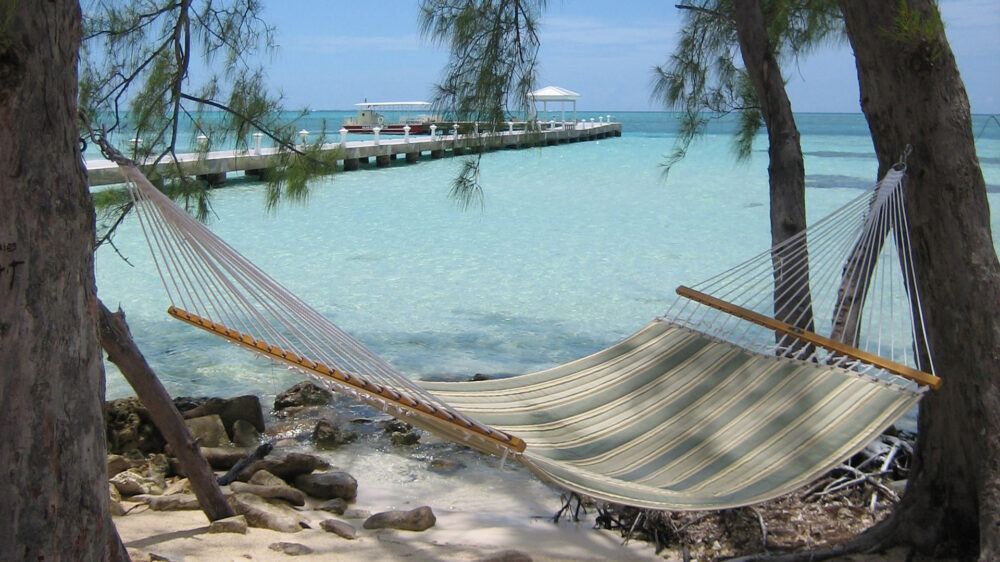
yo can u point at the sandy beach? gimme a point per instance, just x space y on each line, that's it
481 510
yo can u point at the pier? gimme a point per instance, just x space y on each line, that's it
214 165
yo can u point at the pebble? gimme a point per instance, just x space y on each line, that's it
290 548
234 524
419 519
340 528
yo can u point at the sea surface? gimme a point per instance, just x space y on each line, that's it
576 247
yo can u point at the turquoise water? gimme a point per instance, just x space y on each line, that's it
578 246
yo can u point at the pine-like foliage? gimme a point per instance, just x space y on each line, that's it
137 62
491 68
494 44
704 78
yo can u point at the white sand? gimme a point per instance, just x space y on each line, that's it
480 510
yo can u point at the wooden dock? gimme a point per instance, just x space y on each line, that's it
213 166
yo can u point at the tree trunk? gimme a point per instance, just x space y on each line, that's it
53 468
122 351
786 172
912 93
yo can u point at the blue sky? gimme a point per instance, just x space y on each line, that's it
335 53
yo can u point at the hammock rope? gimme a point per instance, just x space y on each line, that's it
212 286
858 256
700 409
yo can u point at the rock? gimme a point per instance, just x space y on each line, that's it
159 468
128 427
179 487
394 426
326 435
115 507
481 377
419 519
290 548
229 410
506 556
336 505
115 500
224 458
356 514
303 394
131 484
263 514
187 403
292 413
244 434
116 464
286 467
401 439
208 430
328 485
338 527
176 502
445 466
234 524
140 556
282 492
265 478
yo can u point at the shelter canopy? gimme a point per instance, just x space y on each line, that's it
554 93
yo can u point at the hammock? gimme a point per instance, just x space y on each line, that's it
713 405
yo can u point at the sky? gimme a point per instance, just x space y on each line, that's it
335 53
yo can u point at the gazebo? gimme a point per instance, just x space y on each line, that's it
554 93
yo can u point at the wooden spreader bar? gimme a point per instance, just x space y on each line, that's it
920 377
274 352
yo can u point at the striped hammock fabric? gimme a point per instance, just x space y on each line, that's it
673 419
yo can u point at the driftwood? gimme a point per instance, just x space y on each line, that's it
258 454
122 351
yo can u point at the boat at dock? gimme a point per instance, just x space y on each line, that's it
391 118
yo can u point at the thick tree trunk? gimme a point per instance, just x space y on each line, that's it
912 93
53 469
122 351
786 172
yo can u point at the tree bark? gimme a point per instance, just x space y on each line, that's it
53 467
786 171
912 93
122 351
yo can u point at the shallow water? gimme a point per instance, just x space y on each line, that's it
577 246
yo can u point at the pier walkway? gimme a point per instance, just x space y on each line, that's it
213 166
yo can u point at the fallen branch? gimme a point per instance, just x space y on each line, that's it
122 351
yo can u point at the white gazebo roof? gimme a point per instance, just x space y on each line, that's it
554 93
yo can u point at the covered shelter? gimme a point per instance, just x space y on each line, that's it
554 93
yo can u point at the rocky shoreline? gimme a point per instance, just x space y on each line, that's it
278 470
257 457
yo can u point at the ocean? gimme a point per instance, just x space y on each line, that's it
576 247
